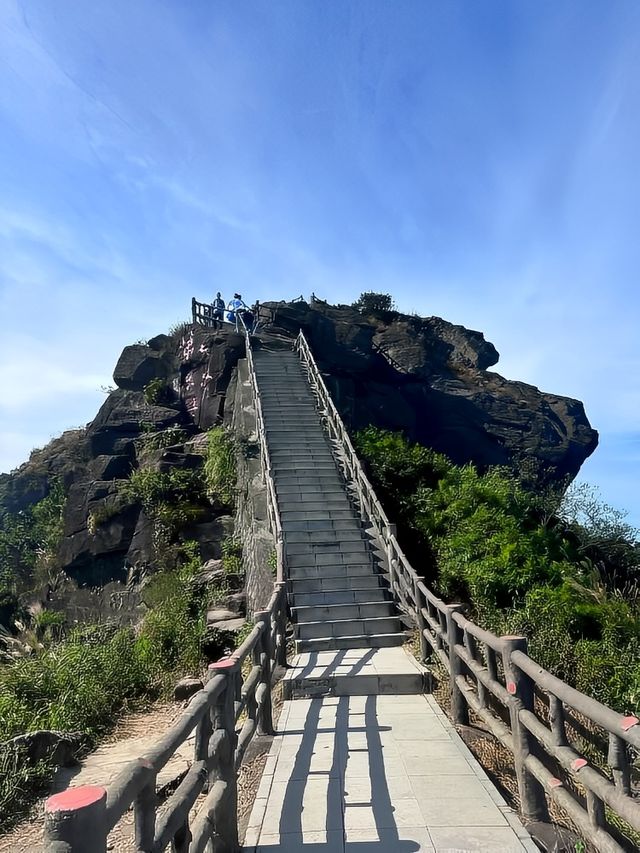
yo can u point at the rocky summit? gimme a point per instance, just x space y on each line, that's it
424 376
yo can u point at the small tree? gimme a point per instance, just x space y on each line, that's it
374 303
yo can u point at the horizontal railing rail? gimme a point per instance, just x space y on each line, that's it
234 705
494 678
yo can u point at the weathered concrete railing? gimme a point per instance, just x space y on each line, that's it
203 313
80 819
272 500
530 711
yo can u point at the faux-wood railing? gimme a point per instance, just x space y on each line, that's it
233 706
496 679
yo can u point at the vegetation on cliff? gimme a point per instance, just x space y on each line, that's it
566 573
80 679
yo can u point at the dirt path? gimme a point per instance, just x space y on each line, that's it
130 738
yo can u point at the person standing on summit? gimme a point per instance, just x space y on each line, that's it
218 311
236 307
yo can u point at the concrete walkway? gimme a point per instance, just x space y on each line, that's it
376 774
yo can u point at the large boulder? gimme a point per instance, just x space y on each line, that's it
139 364
207 360
429 379
122 418
64 459
98 528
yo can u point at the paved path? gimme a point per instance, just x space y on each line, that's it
376 774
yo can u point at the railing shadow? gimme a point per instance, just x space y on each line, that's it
317 810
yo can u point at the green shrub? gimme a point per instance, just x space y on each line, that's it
523 568
374 303
158 393
29 540
162 439
49 625
232 555
220 467
97 672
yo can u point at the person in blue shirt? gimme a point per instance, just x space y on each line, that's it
237 307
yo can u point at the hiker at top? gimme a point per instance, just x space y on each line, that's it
217 311
237 308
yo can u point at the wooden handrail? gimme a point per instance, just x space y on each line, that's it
485 669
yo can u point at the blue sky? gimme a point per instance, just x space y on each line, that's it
479 160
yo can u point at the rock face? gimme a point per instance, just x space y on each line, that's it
429 378
423 376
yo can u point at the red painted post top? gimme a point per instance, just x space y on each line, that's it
227 663
74 799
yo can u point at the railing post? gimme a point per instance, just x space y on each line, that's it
459 709
618 759
193 310
521 689
425 648
262 656
388 532
225 720
281 626
75 821
144 810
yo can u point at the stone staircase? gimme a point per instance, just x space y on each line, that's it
338 597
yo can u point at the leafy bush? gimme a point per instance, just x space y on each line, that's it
232 555
49 625
374 303
523 565
162 439
179 329
85 681
29 540
220 467
158 393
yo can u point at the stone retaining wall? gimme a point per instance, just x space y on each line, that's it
252 525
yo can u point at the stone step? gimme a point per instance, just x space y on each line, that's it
292 386
291 512
346 549
284 438
312 491
286 433
321 558
286 465
342 530
338 537
329 526
291 503
348 628
355 672
372 641
340 596
336 584
325 481
303 397
310 572
339 612
305 424
329 482
299 457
